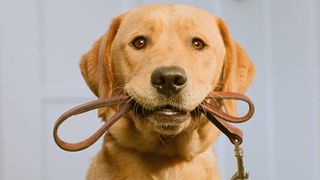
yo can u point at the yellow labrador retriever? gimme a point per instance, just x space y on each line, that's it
167 58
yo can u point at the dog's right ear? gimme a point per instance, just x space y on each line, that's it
96 67
239 70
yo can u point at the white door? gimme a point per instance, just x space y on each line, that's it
42 42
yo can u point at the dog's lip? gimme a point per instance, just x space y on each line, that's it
170 118
163 109
170 112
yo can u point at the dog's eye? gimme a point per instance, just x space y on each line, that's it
139 42
198 44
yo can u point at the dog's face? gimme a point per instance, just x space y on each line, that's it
167 58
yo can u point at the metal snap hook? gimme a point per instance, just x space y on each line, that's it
241 174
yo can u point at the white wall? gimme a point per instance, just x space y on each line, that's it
41 42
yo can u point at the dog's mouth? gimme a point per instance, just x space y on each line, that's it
163 110
166 119
165 113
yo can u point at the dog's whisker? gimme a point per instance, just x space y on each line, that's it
119 89
148 128
161 140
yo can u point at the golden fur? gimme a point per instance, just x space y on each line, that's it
137 148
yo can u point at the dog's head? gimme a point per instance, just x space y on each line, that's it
167 58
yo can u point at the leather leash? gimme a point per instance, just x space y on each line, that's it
220 119
214 114
85 108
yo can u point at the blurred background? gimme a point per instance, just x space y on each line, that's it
43 40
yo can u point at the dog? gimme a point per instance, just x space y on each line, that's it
167 58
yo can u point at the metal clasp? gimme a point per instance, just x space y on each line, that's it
241 174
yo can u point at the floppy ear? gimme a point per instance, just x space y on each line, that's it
95 65
239 70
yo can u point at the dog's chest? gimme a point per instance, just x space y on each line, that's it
201 167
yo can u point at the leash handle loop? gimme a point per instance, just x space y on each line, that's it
220 119
85 108
231 96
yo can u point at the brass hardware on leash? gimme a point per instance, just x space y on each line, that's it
241 174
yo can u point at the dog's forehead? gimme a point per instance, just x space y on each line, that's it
168 15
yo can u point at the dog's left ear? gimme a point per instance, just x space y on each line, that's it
239 70
95 65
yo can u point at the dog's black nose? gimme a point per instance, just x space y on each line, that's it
168 79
